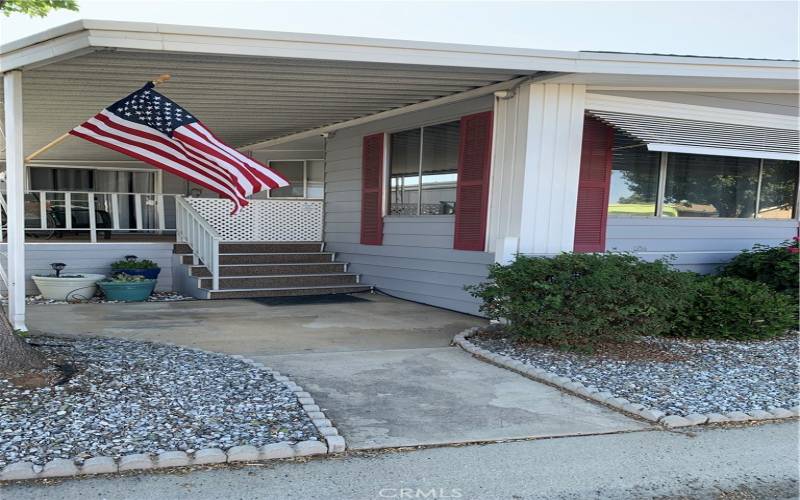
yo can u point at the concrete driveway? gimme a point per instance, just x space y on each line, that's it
382 368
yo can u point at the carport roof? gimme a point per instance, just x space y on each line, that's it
251 86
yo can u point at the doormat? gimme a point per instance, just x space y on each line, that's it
302 300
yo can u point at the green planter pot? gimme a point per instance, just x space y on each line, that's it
127 291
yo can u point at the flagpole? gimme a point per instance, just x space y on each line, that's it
158 81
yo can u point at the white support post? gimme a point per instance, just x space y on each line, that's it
15 198
551 168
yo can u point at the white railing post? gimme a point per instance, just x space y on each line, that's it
215 264
160 211
137 204
68 210
92 218
42 209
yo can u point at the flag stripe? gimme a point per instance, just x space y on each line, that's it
147 132
150 127
192 161
132 152
155 149
245 178
270 178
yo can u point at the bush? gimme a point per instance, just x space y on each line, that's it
133 264
735 309
577 300
776 267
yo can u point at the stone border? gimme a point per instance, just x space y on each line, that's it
62 467
606 398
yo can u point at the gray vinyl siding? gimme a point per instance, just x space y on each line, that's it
91 258
697 244
417 260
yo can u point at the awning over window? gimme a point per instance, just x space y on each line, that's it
677 135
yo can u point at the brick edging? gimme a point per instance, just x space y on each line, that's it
608 399
62 467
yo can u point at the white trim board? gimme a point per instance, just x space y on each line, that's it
602 102
742 153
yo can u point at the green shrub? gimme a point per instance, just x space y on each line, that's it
577 300
133 264
774 266
735 309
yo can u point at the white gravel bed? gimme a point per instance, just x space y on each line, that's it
129 397
690 377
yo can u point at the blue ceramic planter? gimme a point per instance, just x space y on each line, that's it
149 274
127 291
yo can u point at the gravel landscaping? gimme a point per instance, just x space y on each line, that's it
127 397
677 377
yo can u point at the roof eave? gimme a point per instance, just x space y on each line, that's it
80 36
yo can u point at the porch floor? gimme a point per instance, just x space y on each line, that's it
382 368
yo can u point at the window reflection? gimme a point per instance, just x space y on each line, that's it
778 199
710 186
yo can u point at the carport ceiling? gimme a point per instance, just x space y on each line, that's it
243 99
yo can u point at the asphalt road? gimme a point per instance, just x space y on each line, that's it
733 463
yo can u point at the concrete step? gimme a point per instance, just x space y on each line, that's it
245 293
269 247
282 281
276 258
270 269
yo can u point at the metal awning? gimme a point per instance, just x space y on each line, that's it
678 135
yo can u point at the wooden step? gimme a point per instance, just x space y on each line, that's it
282 281
244 293
270 269
269 247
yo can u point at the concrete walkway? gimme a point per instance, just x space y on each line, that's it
743 464
381 368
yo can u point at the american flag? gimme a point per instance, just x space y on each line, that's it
152 128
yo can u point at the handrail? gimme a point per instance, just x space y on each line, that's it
192 228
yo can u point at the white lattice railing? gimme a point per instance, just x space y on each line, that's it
192 228
263 220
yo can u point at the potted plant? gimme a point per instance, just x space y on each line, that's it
68 287
127 287
132 266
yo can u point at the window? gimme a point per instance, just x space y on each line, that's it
645 183
292 171
305 179
423 170
634 179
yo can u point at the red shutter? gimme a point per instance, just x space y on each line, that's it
372 190
595 177
472 190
